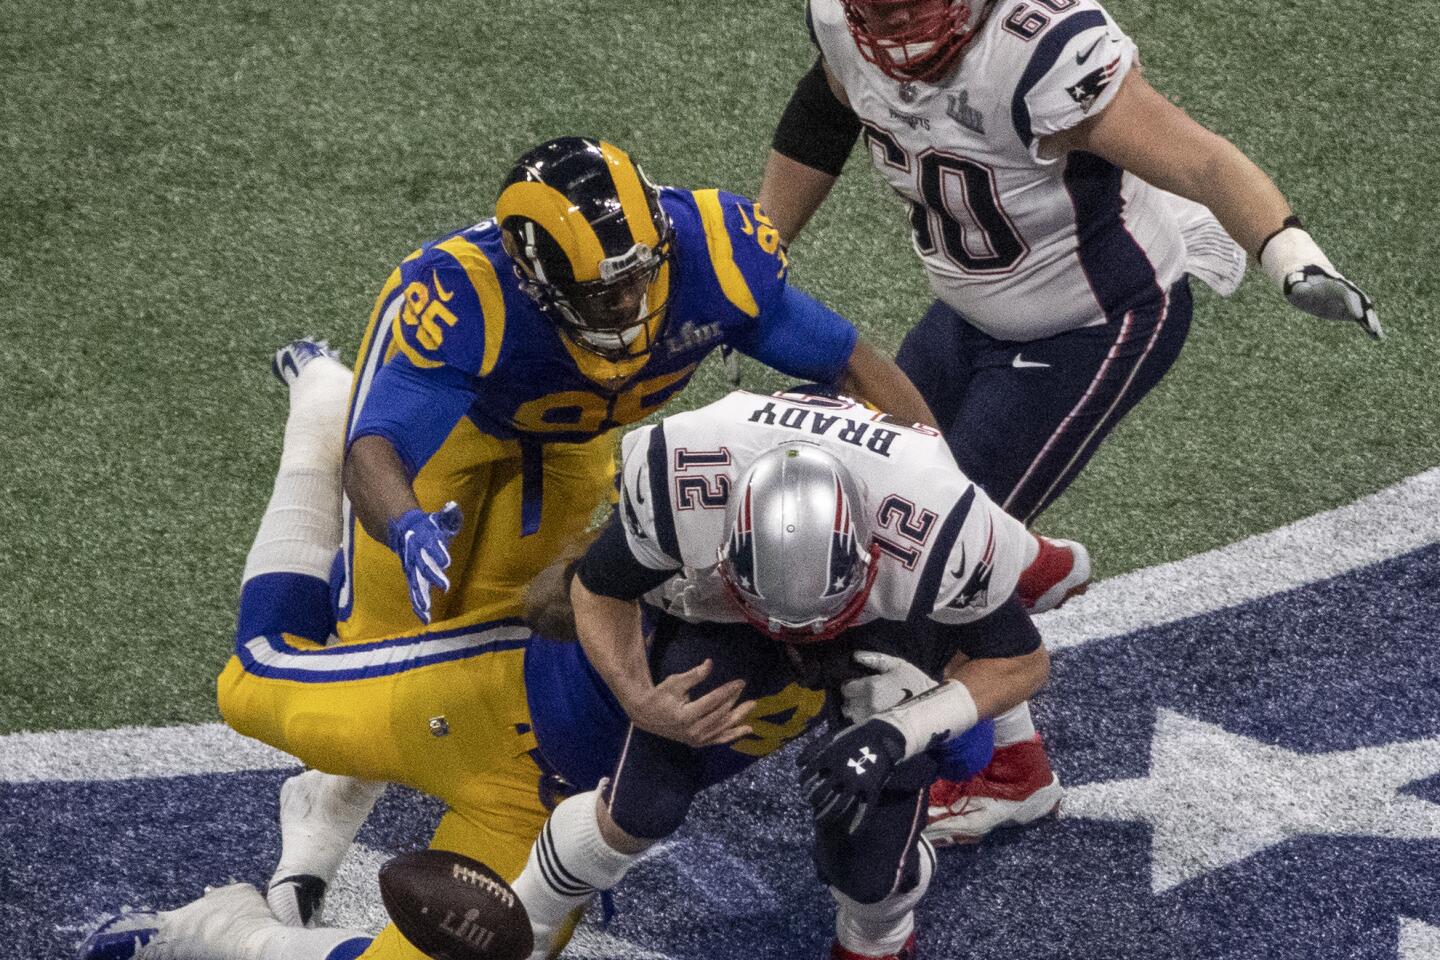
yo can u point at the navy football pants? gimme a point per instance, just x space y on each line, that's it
657 779
1023 418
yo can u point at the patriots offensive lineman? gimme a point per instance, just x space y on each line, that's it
523 720
780 534
1057 202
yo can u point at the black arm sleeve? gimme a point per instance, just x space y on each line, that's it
816 129
1006 632
611 570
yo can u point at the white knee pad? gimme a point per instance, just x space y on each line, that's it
875 929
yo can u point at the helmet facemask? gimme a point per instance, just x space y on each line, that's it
612 316
915 41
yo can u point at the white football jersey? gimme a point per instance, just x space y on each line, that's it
1021 246
946 551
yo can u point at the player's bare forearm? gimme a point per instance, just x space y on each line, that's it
791 192
614 641
1000 683
873 377
377 484
1149 136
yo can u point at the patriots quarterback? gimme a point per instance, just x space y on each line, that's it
1059 205
781 541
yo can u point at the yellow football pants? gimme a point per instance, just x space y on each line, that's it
444 712
493 557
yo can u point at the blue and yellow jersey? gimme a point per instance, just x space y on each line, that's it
456 335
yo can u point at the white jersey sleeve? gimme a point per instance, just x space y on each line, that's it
1094 58
644 527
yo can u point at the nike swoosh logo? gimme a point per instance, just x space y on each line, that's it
959 571
1082 57
1019 364
445 295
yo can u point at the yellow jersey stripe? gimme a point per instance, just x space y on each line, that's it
632 195
552 211
482 276
722 255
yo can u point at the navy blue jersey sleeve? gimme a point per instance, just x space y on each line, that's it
800 337
414 409
1007 631
610 568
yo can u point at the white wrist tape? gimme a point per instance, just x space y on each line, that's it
930 718
1288 251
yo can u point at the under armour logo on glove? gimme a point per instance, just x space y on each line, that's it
422 542
846 773
866 756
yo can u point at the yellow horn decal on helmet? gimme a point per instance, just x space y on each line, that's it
632 195
558 217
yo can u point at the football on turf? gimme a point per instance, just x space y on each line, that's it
451 907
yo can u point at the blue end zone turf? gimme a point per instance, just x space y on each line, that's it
1311 675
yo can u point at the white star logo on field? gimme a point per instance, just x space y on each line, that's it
1418 941
1214 798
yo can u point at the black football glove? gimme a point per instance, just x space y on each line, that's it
844 774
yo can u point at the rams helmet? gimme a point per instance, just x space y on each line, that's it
591 244
797 557
915 40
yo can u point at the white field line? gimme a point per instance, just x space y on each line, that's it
1394 521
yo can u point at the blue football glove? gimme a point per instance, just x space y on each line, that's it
844 775
422 542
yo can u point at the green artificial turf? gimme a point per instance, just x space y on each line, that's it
187 186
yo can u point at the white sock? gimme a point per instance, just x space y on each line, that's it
320 815
569 862
1014 726
300 530
289 943
877 929
315 428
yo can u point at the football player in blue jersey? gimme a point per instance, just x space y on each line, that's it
496 721
500 359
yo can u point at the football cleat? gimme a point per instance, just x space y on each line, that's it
906 952
228 923
293 357
319 817
1017 788
1061 570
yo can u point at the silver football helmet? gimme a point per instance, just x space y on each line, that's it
798 559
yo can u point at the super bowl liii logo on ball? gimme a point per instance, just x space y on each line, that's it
467 930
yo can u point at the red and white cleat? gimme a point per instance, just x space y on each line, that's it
906 952
1061 570
1017 788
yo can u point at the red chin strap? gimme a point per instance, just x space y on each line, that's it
946 26
800 635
